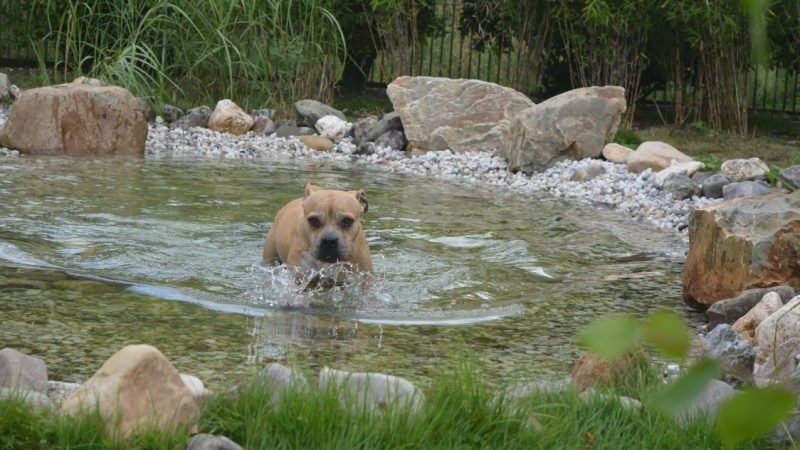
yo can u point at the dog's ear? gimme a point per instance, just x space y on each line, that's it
311 188
361 196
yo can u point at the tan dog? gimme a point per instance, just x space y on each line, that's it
320 229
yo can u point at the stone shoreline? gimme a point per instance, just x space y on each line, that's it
634 195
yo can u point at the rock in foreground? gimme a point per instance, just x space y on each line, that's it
137 389
740 244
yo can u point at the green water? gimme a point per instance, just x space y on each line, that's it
98 254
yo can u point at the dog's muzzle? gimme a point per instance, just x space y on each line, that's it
329 249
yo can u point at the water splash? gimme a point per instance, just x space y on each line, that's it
330 288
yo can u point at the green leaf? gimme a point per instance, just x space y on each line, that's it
610 337
752 413
665 331
683 391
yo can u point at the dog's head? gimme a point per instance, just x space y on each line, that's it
332 221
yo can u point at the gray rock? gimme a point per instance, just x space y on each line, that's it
195 117
268 113
680 186
310 111
714 184
588 172
731 309
211 442
387 123
365 148
744 189
778 338
5 85
263 126
539 387
148 113
171 113
394 139
791 176
57 390
285 122
707 403
375 391
360 129
699 178
787 434
37 400
572 125
280 378
20 371
732 350
460 115
285 131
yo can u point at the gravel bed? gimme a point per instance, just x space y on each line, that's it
633 195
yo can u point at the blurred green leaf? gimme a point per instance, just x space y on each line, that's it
752 413
612 336
683 391
665 331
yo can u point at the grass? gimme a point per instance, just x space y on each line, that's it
460 411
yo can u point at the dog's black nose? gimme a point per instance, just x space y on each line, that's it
329 242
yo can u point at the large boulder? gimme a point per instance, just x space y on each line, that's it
228 117
20 371
136 390
573 125
76 119
460 115
740 244
655 155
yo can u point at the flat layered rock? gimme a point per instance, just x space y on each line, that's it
460 115
740 244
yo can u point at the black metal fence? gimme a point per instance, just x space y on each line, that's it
447 53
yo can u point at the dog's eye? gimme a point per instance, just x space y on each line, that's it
314 222
347 222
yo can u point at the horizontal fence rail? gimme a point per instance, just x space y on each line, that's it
447 52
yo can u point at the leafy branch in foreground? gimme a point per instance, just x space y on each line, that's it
746 415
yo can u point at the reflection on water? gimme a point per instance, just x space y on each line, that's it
96 254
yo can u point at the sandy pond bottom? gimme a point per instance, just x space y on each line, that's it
98 254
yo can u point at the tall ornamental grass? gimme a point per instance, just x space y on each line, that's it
257 52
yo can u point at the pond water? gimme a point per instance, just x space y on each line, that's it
98 254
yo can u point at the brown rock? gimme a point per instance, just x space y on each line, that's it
317 142
228 117
654 155
461 115
572 125
740 244
136 390
616 153
76 119
747 324
591 370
